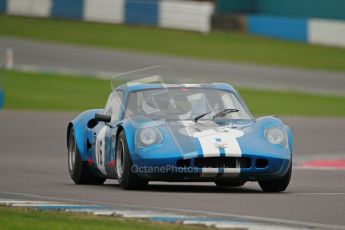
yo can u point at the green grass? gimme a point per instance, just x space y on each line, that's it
225 46
49 92
14 218
293 103
33 91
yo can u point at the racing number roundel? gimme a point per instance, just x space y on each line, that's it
100 148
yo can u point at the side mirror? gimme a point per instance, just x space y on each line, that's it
102 117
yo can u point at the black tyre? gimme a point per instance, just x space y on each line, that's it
229 183
78 169
277 185
127 179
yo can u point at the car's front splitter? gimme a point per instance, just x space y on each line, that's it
246 168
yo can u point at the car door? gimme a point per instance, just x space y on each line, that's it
105 135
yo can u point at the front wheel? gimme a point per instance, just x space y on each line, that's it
127 179
78 169
277 185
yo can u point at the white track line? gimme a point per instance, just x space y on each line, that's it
245 217
11 202
39 205
320 193
86 210
103 213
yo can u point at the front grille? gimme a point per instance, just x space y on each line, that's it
222 162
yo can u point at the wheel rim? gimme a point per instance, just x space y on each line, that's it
71 152
119 159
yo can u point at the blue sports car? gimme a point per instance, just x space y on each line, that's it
178 132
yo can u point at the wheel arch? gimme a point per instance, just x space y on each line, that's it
129 133
290 138
79 124
69 128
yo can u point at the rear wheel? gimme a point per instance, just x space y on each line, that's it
78 169
229 183
127 179
277 185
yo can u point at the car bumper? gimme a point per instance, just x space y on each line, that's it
248 167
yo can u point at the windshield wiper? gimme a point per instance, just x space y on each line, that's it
201 116
224 111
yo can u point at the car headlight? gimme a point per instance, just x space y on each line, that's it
276 136
149 136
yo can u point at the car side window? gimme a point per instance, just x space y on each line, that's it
113 106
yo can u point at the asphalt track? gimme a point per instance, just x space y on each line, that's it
33 164
49 55
33 153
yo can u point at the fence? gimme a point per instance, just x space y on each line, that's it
314 31
327 32
33 8
279 27
185 15
109 11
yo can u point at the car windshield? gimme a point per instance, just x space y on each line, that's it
185 103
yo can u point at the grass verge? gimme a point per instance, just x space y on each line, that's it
225 46
15 218
50 92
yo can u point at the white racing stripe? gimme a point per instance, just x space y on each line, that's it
215 142
231 172
207 141
228 139
226 172
209 172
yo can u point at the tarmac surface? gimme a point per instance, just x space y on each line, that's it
109 61
33 164
33 154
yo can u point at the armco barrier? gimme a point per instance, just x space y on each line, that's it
143 12
326 32
33 8
72 9
109 11
2 98
3 4
279 27
188 15
185 15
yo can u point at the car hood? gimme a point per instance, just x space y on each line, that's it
210 138
207 137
